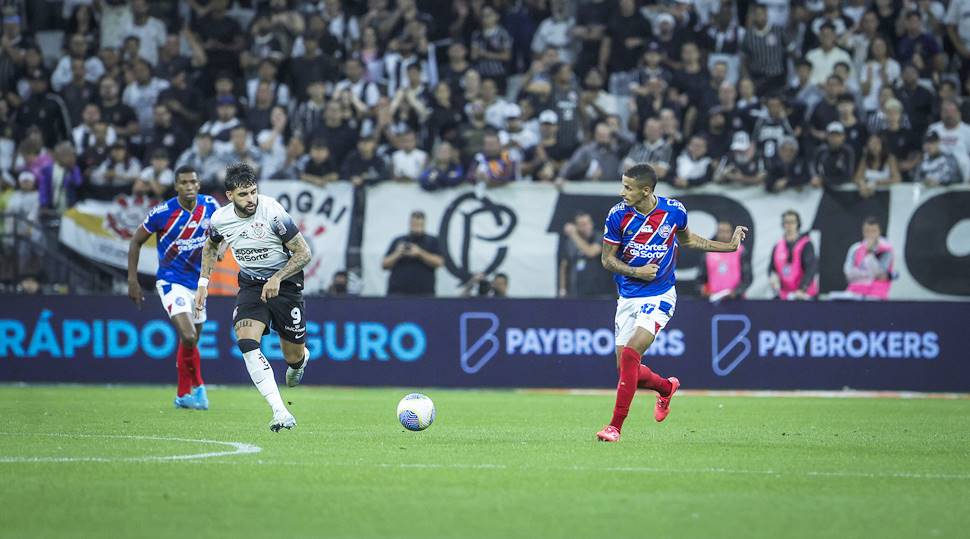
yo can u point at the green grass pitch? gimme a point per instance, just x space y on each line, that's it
494 464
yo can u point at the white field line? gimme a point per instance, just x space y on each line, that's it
238 448
818 394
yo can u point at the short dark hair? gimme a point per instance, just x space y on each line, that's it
798 218
239 175
417 214
185 169
643 174
872 220
501 276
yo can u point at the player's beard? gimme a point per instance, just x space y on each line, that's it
243 210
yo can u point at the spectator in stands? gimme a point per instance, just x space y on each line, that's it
580 272
869 263
408 161
157 178
166 134
203 158
877 167
413 259
544 160
627 35
770 130
263 45
119 116
119 171
515 137
24 202
45 110
95 148
308 116
221 36
717 135
320 169
648 100
725 275
312 66
142 94
242 149
834 162
919 102
826 111
915 41
150 31
900 142
257 116
793 268
363 166
802 93
958 29
295 161
654 150
13 48
856 133
592 17
824 58
694 166
787 169
750 109
832 17
493 165
78 92
60 181
881 70
954 134
444 170
595 103
764 52
491 47
743 165
272 142
220 128
453 72
936 167
83 134
338 134
338 285
563 99
555 32
598 159
77 49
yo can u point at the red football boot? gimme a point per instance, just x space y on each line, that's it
662 408
609 434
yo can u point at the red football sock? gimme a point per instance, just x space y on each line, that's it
195 364
185 378
648 379
627 386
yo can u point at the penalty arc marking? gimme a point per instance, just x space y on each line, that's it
230 449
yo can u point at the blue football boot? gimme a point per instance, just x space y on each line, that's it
201 398
186 401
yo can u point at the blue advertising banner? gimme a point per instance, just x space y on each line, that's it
508 343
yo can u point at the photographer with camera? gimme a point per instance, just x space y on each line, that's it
413 259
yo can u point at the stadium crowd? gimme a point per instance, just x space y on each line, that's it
784 95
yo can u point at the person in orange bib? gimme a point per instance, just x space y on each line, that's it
869 263
724 275
793 268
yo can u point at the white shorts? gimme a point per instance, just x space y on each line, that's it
178 299
650 313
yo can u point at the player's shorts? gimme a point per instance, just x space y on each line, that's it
178 299
284 313
650 313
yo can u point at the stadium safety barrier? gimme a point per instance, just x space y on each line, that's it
507 343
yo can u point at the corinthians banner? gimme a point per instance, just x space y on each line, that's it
101 230
516 229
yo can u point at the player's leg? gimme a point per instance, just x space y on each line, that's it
287 312
250 322
198 385
178 308
188 338
623 332
651 320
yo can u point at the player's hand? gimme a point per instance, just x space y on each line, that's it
271 289
200 295
134 293
739 234
647 273
569 229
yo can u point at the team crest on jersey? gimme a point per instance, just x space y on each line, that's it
665 231
258 230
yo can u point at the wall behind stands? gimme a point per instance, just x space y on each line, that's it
507 343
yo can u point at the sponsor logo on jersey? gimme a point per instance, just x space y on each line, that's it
251 254
642 250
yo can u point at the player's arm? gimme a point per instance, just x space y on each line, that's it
210 254
134 252
299 258
689 239
613 264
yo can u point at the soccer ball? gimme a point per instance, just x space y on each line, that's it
416 412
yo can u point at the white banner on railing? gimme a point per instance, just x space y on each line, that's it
516 229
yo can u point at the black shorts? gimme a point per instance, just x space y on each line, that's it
285 313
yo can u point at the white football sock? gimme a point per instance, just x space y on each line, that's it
262 374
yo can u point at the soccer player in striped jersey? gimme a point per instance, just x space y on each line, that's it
640 246
180 225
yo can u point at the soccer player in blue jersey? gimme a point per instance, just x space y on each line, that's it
640 246
180 225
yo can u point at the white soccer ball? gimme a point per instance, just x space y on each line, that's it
416 411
